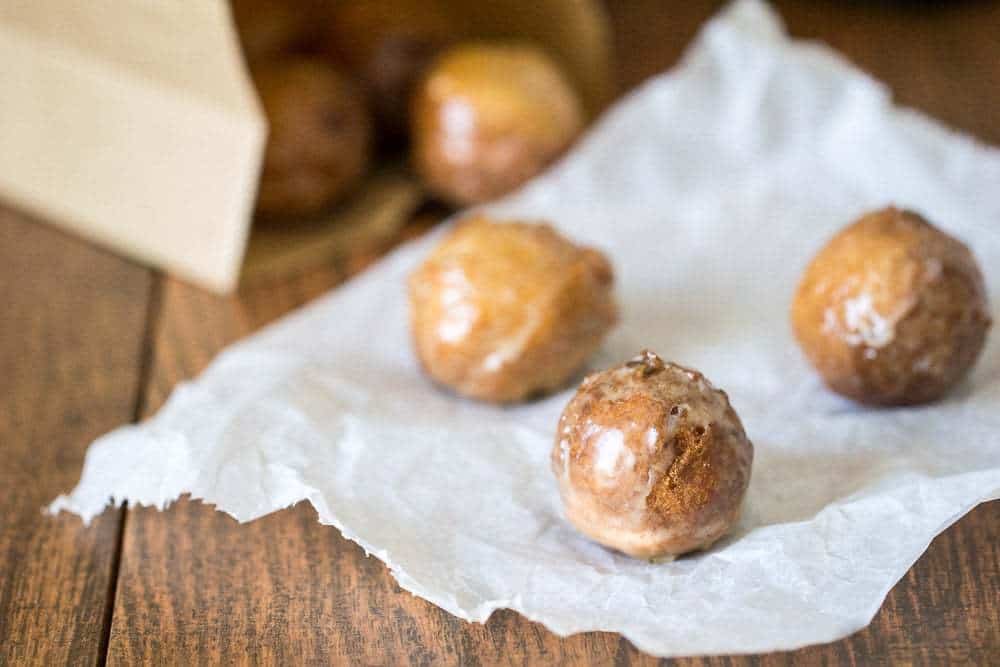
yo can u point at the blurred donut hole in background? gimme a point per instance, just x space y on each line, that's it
388 112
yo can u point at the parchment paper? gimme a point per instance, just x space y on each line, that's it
710 188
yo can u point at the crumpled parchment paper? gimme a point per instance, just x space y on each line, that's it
710 188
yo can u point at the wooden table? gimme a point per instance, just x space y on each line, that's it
89 341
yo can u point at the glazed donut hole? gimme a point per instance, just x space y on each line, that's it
507 311
651 459
892 311
488 117
319 143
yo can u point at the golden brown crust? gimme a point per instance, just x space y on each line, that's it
651 459
690 480
488 117
506 311
892 311
319 139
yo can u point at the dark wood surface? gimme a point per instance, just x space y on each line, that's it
89 341
72 323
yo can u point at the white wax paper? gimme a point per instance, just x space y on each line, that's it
710 188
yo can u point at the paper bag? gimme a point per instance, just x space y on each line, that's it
133 124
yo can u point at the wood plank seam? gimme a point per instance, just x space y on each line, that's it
146 352
70 336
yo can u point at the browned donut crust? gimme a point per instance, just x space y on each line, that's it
892 311
651 459
319 139
488 117
507 311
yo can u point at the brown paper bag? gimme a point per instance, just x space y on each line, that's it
134 124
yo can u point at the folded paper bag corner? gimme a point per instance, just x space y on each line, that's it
147 140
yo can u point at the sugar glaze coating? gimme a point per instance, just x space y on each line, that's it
892 311
488 117
506 311
651 459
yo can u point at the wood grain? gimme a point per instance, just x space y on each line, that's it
71 333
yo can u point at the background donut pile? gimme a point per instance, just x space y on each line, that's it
346 85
